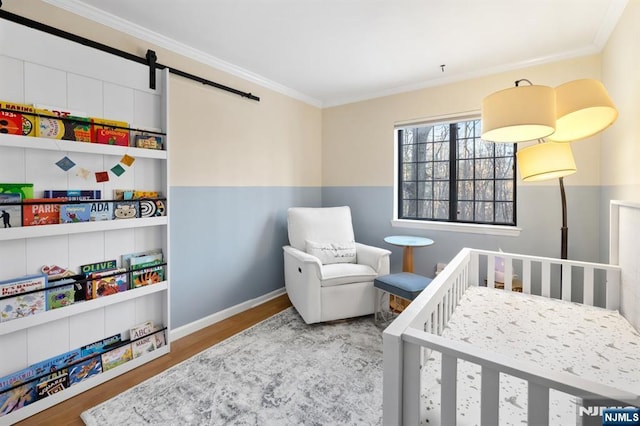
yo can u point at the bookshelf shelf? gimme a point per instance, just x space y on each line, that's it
16 141
69 75
79 228
79 308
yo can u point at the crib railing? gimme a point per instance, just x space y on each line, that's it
420 325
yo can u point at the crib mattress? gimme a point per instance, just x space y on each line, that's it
590 342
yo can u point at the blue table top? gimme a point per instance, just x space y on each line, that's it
408 241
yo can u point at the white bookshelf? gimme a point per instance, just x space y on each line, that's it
43 69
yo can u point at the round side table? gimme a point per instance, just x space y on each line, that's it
408 242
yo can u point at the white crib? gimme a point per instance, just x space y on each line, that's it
417 331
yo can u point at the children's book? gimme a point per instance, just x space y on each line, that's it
141 330
11 210
141 257
17 299
108 282
85 369
143 345
147 276
152 208
104 345
125 209
52 383
160 339
74 213
56 363
41 211
63 292
101 211
73 194
14 396
90 268
116 357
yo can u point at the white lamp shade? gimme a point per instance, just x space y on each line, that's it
519 114
545 161
584 108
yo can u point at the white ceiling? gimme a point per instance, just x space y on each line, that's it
329 52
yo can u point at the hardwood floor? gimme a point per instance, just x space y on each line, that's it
68 412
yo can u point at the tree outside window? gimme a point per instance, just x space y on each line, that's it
448 173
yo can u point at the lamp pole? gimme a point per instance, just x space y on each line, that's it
564 242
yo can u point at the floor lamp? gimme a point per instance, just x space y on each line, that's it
549 160
572 111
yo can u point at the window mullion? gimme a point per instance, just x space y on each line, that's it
453 172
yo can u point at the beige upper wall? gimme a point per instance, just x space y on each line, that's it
216 138
358 142
621 75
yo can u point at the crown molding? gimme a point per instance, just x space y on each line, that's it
122 25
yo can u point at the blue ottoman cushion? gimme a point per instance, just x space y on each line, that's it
404 284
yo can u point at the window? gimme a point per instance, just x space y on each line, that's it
447 173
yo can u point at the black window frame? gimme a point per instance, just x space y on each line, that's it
453 175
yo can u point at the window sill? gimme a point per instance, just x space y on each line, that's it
469 228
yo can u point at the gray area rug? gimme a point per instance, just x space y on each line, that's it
278 372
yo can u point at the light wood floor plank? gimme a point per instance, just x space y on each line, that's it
68 412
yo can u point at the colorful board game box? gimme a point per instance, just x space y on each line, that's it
20 120
61 125
73 194
15 304
24 189
148 141
103 131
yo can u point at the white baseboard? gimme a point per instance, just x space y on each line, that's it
194 326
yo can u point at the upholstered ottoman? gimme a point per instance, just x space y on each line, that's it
406 285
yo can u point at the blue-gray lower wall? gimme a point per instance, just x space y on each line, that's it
226 245
226 242
539 216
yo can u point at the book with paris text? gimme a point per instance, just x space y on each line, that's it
41 211
18 298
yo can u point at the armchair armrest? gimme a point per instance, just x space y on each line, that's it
301 256
376 257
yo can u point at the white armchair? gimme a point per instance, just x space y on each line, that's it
328 275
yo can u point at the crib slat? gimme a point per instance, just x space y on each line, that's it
566 282
538 408
489 398
491 271
411 383
587 293
526 276
508 273
546 279
449 390
613 290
